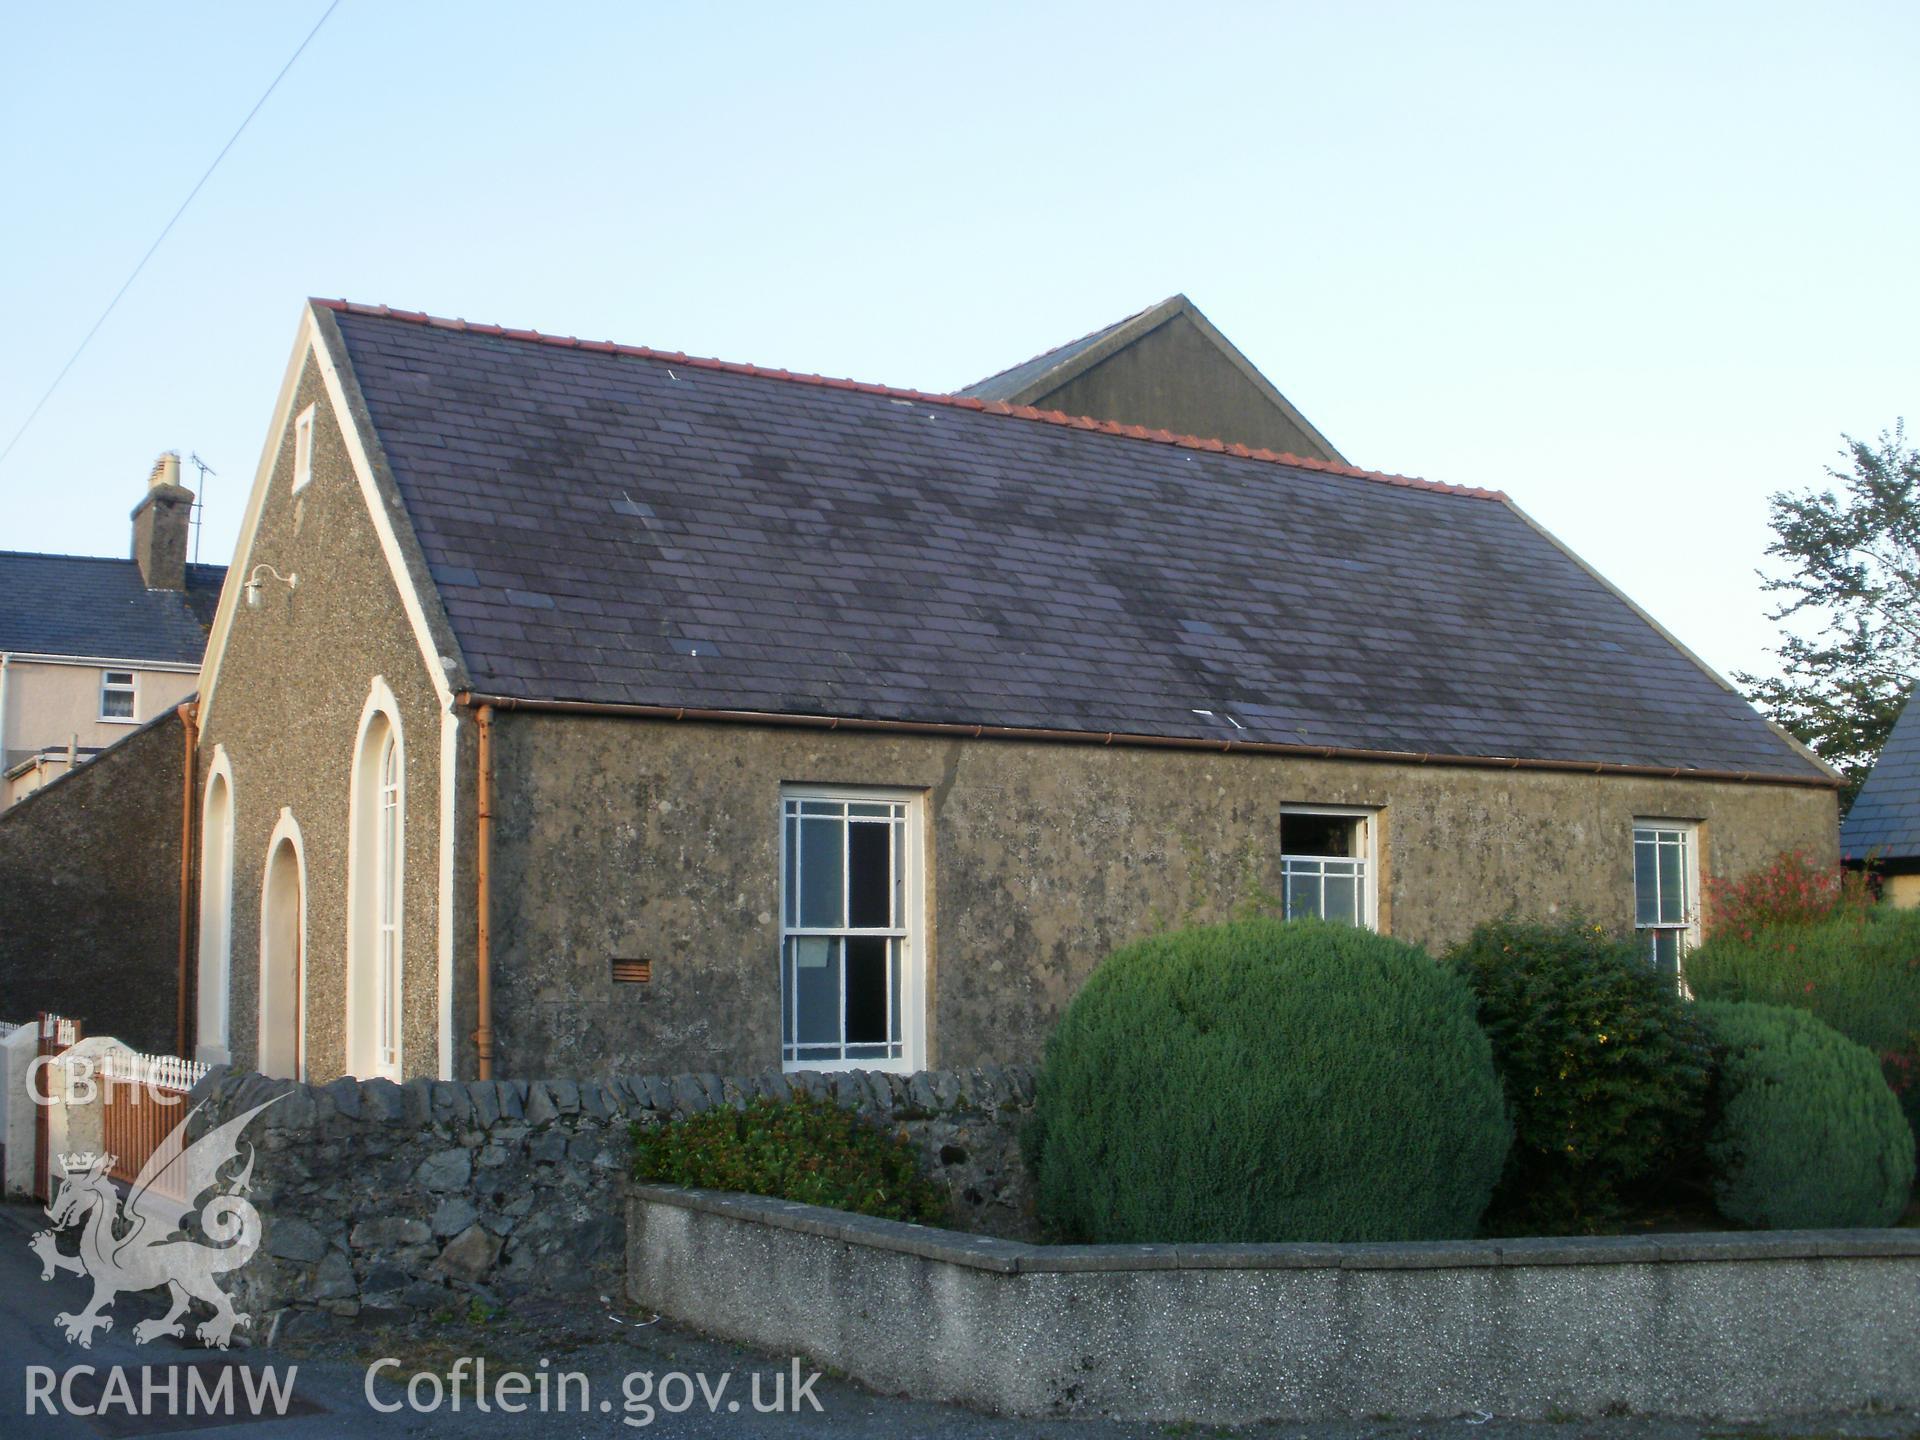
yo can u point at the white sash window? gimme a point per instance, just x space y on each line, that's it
851 946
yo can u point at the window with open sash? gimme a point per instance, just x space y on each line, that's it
849 937
1665 892
1325 857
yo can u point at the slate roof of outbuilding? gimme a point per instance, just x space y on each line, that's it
610 524
96 606
1885 818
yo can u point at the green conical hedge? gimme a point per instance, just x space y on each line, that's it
1268 1081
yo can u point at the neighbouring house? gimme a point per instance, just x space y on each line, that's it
96 872
580 708
92 647
1165 368
1882 828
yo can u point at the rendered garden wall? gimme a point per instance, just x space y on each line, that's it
1730 1326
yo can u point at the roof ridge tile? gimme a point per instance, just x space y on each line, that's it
952 402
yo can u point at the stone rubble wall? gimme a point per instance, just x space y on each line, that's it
382 1202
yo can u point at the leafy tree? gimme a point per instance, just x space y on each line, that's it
1852 553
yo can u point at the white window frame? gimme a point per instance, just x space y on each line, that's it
303 448
912 934
131 689
1368 859
376 890
388 843
214 977
1688 928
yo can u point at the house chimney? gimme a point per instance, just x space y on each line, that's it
160 526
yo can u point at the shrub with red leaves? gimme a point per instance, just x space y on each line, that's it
1789 890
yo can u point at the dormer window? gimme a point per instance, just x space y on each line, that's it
303 450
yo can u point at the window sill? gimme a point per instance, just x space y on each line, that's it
831 1067
120 720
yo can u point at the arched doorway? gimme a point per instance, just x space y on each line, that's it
283 906
212 1045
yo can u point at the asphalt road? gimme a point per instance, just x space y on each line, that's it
610 1347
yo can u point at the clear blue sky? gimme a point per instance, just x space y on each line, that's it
1638 265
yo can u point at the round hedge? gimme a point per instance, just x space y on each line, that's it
1268 1081
1806 1133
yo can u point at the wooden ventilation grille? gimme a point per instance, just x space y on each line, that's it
632 972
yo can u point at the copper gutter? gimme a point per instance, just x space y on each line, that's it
483 882
189 714
1162 742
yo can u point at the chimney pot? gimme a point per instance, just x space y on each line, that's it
160 523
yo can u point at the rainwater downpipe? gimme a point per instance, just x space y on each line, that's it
483 879
189 714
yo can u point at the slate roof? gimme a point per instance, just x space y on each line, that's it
1885 818
97 606
616 525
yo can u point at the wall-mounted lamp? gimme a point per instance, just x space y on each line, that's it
254 583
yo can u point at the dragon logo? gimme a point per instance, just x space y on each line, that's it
141 1245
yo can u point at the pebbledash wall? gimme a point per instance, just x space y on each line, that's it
1729 1327
281 719
382 1202
660 840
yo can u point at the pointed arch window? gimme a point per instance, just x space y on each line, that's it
387 903
376 893
213 977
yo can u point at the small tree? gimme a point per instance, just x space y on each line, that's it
1605 1069
1853 558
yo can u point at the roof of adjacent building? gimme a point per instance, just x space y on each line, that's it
611 524
1041 380
1050 365
1885 818
99 607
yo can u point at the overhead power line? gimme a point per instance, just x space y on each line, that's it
87 339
